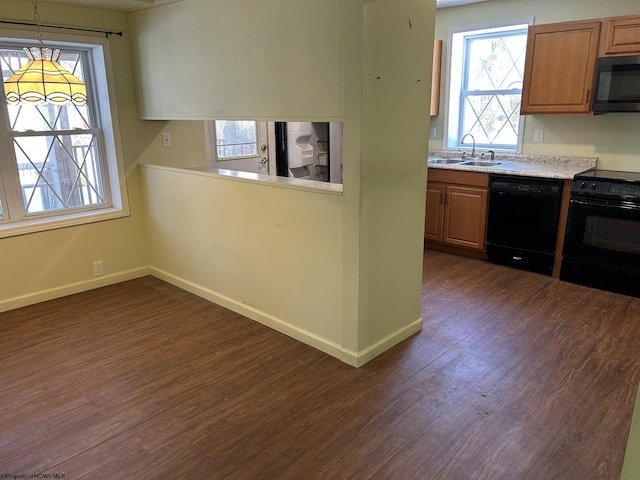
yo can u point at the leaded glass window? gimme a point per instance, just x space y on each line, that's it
55 147
486 86
60 165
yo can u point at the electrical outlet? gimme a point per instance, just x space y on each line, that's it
98 268
538 135
433 132
166 140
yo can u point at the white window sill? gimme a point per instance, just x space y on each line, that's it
12 229
256 178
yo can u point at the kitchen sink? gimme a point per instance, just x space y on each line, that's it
481 163
445 160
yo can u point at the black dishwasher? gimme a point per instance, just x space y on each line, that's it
522 224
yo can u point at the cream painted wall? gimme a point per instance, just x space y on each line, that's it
382 208
188 144
631 467
40 266
195 58
373 296
610 137
385 174
270 252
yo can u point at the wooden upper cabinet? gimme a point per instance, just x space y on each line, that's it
620 36
560 67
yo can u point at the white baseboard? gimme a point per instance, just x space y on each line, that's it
363 356
355 359
309 338
70 289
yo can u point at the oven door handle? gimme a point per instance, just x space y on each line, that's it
605 205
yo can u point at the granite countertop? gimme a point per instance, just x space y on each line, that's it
545 166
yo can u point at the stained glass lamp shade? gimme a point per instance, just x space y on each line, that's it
43 80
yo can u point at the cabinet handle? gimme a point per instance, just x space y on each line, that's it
446 199
587 99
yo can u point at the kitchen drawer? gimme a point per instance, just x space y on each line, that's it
473 179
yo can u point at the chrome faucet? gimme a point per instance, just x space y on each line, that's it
489 152
473 150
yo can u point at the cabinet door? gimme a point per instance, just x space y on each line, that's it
465 219
434 212
621 36
560 67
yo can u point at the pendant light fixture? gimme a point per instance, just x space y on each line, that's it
43 80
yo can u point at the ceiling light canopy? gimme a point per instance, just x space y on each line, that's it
43 80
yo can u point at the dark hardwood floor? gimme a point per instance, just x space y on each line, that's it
514 376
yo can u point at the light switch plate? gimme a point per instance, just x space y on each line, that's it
538 135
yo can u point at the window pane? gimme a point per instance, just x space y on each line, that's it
486 97
48 118
58 172
236 139
60 157
492 119
496 63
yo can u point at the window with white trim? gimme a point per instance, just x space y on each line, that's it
485 87
60 165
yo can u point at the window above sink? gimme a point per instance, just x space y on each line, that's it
485 85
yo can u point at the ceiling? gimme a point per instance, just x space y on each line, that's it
120 5
134 5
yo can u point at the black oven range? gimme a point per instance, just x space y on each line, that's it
602 240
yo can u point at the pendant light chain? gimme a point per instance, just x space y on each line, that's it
42 80
36 19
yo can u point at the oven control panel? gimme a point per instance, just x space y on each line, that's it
625 190
609 189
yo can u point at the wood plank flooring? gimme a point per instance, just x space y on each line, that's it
514 376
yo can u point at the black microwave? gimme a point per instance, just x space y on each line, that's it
617 84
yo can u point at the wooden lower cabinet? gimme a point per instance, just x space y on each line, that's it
434 213
456 210
465 217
